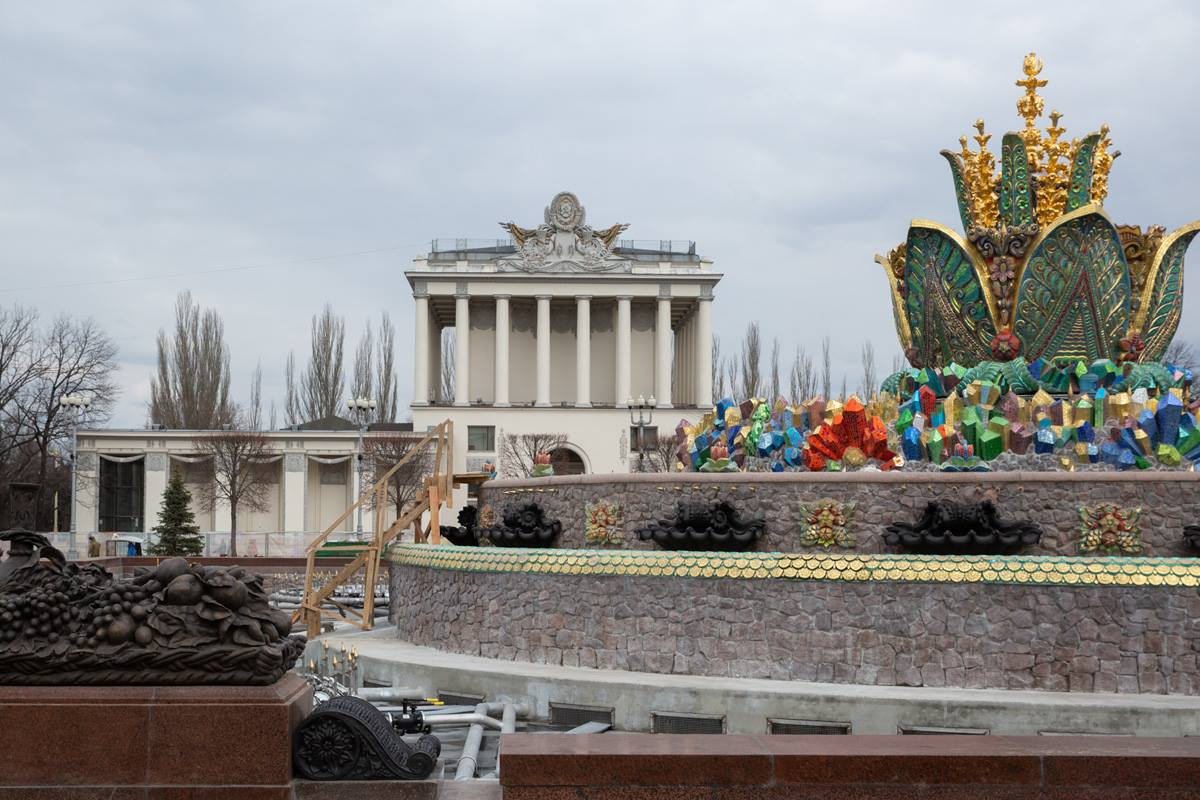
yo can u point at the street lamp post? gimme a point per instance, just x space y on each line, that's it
645 418
74 405
361 409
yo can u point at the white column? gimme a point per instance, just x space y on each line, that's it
623 354
543 351
583 351
662 358
156 472
462 350
421 344
704 384
295 482
435 361
685 365
502 329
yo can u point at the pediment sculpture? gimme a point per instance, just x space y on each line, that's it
564 242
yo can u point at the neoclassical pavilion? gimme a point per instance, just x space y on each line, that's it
563 324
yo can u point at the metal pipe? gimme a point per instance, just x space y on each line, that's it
508 719
464 719
389 692
470 752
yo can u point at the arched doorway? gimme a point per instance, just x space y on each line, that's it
567 462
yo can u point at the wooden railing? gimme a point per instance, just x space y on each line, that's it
437 491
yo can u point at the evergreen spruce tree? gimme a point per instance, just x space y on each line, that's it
178 534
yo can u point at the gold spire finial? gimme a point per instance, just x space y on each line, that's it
1054 177
1101 164
1030 106
982 172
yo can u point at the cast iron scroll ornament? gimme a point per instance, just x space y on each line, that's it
705 525
347 738
527 526
466 533
1191 537
62 623
948 528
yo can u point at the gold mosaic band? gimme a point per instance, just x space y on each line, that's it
1021 570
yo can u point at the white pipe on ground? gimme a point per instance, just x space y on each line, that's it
470 752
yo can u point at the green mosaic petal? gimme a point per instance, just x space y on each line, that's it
1164 300
945 303
960 189
1079 195
1016 195
1074 294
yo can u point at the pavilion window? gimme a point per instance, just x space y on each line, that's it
122 496
481 438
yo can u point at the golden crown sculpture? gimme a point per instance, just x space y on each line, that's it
1043 272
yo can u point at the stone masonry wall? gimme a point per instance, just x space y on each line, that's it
1168 501
1055 638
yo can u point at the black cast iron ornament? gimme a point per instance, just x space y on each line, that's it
1191 537
949 528
347 738
705 525
62 623
526 526
466 533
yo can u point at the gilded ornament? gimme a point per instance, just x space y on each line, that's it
1108 529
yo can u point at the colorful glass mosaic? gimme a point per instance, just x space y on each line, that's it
826 523
1008 570
604 524
1110 530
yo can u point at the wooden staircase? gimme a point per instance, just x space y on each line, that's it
438 488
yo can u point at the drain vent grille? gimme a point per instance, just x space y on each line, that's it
925 730
574 715
808 727
686 723
460 699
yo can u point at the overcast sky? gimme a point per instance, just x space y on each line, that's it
145 144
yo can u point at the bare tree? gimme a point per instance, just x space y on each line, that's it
662 454
362 384
18 365
191 387
447 365
776 384
239 464
519 450
386 375
802 378
869 380
718 376
751 383
1181 354
826 368
255 413
324 379
842 394
381 453
292 412
899 362
72 357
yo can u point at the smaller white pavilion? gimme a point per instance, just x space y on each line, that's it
555 328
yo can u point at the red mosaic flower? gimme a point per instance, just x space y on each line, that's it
1005 345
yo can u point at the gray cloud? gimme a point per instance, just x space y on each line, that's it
793 143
